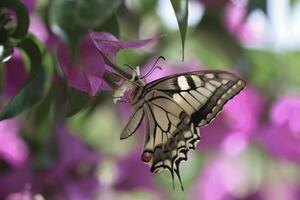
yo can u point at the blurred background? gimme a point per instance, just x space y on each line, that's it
59 129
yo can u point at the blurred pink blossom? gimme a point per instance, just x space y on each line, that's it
25 194
15 181
235 125
142 177
281 136
231 178
30 4
220 180
15 74
13 148
237 23
38 28
73 175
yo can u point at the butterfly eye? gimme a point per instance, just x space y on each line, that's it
146 157
136 78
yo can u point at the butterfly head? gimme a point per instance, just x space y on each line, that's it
131 90
128 91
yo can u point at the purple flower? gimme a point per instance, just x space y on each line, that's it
15 75
73 176
38 28
133 173
281 136
12 149
235 124
237 23
86 73
25 194
221 179
30 4
16 180
229 178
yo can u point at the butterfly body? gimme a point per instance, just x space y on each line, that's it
175 107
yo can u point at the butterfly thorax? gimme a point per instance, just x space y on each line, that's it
130 90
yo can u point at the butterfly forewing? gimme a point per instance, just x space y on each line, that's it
133 123
201 94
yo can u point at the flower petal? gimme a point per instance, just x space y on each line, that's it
109 44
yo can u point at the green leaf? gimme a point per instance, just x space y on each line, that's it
22 17
111 25
215 42
77 101
6 52
263 66
33 90
62 21
257 4
26 98
43 109
92 13
72 19
293 2
180 8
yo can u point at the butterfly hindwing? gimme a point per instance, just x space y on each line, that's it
169 133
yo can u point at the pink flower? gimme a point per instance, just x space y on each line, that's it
235 124
281 136
13 149
86 73
229 178
22 195
142 177
15 180
30 4
15 74
73 176
38 28
237 23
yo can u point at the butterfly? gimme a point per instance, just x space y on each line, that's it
175 107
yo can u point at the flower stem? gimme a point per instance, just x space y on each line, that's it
111 79
122 73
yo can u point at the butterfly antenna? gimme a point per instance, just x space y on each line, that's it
132 69
154 67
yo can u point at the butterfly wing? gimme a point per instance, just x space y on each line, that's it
169 133
202 94
133 123
174 106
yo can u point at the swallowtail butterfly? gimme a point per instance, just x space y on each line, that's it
175 107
